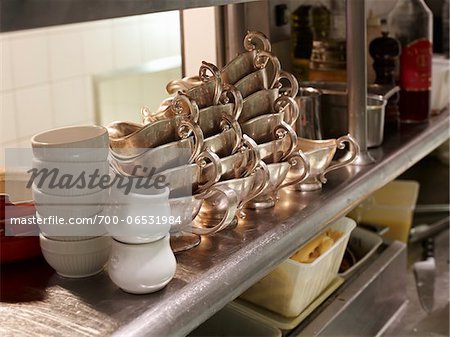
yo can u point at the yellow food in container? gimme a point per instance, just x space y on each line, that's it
292 286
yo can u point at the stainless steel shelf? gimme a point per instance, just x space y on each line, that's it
209 276
26 14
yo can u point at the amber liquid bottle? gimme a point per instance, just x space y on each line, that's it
411 23
301 40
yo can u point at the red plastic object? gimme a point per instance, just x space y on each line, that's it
17 248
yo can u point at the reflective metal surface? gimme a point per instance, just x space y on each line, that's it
37 302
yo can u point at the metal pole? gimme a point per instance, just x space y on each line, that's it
357 77
235 30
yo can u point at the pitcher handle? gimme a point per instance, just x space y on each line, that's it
354 151
284 130
251 36
227 123
218 171
282 103
250 145
292 90
184 131
230 213
231 91
203 75
295 159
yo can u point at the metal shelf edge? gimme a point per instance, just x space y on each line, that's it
202 299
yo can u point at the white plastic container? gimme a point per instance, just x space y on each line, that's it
393 206
292 286
363 244
285 324
230 322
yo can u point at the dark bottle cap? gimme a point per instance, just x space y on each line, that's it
385 52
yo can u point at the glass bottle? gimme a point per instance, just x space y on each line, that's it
385 52
309 22
301 40
445 28
411 23
373 31
320 21
338 28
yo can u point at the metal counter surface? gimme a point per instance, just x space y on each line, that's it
36 301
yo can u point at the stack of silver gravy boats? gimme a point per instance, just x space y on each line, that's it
224 141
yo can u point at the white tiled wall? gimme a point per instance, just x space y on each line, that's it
47 73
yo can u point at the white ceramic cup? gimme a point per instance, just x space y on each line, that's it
144 268
140 216
68 178
67 207
76 259
85 228
73 144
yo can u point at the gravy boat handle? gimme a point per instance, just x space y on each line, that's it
354 151
229 122
284 130
230 90
201 162
297 158
232 207
251 146
265 181
184 131
292 90
261 60
202 74
282 103
179 104
252 36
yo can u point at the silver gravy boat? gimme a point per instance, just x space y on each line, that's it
185 232
257 56
246 188
240 164
153 135
227 141
277 179
204 89
266 102
280 147
319 154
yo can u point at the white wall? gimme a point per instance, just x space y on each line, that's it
199 34
47 73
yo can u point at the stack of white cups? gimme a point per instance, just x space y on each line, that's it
68 166
141 258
